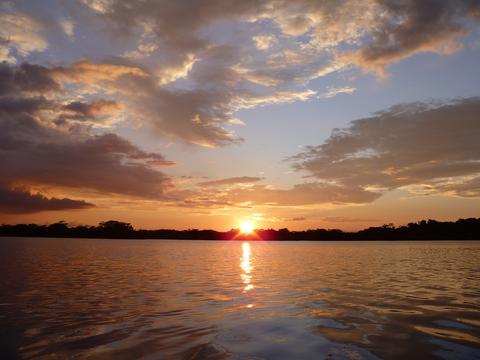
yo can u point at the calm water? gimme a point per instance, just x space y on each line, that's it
122 299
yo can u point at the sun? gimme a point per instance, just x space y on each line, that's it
246 227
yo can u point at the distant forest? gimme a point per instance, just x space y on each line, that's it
462 229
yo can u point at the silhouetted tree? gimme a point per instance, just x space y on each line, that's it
114 228
462 229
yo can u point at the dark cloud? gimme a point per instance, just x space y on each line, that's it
411 26
34 151
25 78
17 201
106 163
408 144
16 105
91 109
99 110
175 23
231 181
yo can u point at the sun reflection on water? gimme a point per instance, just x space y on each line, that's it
245 264
310 300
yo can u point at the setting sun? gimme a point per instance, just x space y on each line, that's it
246 227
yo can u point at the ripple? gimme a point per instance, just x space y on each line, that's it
448 334
453 324
125 299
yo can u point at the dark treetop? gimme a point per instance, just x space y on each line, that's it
462 229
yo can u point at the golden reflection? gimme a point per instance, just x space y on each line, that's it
245 264
448 333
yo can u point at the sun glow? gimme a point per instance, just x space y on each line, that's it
246 227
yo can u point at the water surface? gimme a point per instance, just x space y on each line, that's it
123 299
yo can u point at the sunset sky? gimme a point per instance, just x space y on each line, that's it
202 114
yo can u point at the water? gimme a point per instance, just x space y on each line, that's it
123 299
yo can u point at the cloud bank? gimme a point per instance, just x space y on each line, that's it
190 66
433 146
16 201
185 69
37 150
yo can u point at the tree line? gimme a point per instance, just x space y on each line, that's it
462 229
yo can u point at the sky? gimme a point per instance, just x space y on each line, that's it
202 114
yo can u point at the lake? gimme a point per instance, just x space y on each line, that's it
162 299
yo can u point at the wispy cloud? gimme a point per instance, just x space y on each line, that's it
231 181
334 91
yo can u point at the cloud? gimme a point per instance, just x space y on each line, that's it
100 6
464 186
12 105
409 144
36 151
467 187
342 219
191 115
187 68
228 193
17 201
303 194
90 73
68 27
410 27
176 25
311 193
20 35
281 97
93 108
98 110
293 43
334 91
263 42
27 77
30 154
231 181
376 33
195 116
